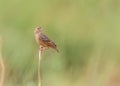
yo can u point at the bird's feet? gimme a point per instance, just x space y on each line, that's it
43 48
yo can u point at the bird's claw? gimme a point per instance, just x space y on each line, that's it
43 48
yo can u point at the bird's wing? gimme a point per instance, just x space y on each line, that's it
46 40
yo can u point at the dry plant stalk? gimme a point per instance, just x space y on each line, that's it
2 65
39 79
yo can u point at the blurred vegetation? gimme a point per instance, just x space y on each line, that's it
87 33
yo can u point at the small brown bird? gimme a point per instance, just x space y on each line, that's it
43 41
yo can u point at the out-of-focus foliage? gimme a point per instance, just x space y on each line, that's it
87 33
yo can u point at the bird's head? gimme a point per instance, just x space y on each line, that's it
38 30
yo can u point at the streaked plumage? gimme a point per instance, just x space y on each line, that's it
42 40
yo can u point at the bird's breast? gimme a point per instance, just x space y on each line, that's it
39 41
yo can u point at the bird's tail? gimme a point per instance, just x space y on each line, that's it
56 50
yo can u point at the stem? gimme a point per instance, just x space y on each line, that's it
2 65
39 79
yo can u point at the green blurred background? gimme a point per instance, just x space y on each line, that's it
87 33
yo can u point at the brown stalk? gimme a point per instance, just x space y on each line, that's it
39 60
2 65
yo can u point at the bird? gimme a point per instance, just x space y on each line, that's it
43 41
